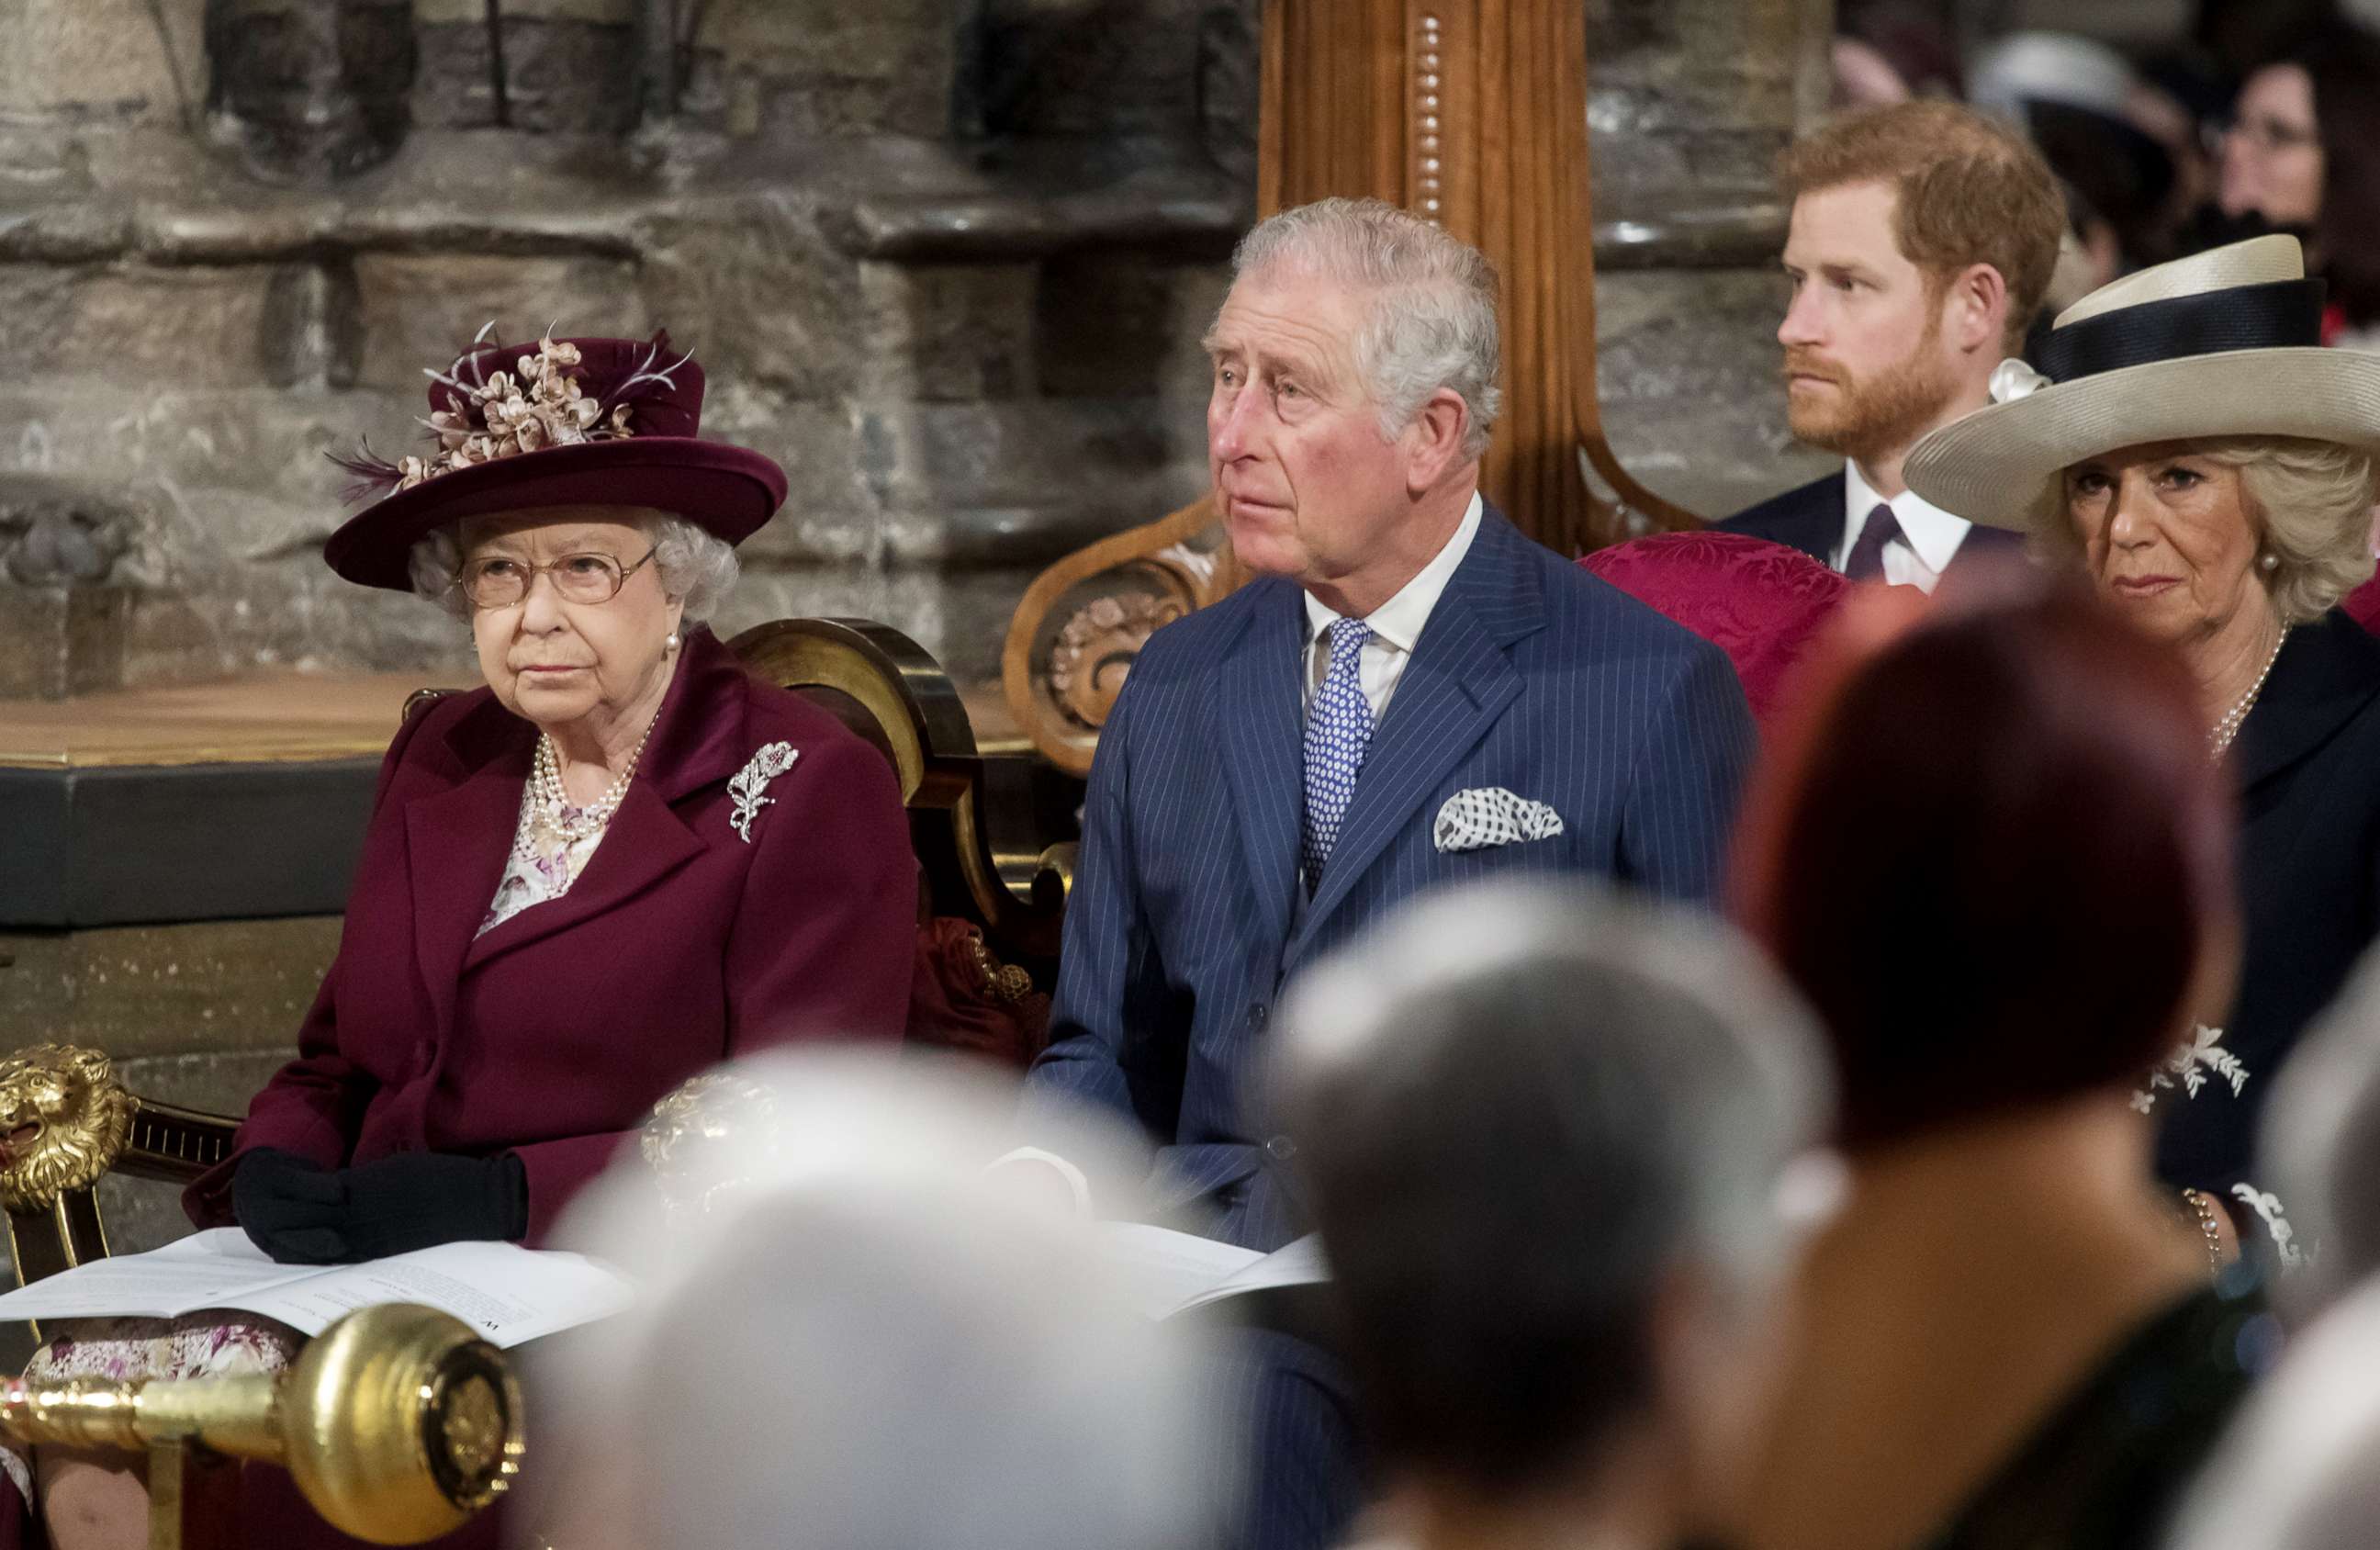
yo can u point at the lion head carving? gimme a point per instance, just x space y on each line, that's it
64 1119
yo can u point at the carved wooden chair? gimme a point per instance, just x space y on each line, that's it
65 1121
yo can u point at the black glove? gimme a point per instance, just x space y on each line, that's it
288 1207
416 1199
303 1215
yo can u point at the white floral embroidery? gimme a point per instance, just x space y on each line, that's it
2276 1222
2191 1062
752 779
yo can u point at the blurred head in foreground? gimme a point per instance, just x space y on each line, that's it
1556 1144
852 1335
2300 1470
1994 856
2320 1146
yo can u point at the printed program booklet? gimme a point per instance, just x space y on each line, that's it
509 1294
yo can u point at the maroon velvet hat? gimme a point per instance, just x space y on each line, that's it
608 423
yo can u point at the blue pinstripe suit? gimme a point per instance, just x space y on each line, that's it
1530 674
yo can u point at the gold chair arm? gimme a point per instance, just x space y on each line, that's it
397 1422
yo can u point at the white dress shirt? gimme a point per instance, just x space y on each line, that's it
1396 623
1928 536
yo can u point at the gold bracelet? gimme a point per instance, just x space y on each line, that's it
2203 1210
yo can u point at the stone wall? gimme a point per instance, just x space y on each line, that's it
948 262
941 261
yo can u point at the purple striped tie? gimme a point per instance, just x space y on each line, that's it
1866 561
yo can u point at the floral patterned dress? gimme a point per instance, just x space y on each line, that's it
225 1343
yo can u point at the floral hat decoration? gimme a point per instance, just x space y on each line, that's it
563 422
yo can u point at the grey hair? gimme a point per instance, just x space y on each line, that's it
2311 504
1518 1108
838 1256
1429 304
697 567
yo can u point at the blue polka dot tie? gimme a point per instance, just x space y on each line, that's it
1337 730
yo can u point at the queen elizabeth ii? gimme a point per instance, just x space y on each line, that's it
620 862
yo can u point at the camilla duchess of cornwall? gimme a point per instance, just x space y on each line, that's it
620 862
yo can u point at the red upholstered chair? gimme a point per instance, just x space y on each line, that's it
2363 605
1762 603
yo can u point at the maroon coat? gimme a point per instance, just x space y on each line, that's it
680 944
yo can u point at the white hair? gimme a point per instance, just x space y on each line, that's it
850 1333
695 567
1429 304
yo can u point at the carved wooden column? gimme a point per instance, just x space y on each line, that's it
1469 113
1472 113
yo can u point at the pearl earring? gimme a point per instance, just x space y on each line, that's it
671 644
2270 562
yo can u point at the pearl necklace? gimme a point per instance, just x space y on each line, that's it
554 809
2227 731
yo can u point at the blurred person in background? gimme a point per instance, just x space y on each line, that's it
2091 116
1923 237
2188 447
2299 154
1889 50
1996 860
851 1334
1560 1154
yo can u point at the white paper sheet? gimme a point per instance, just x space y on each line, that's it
508 1293
1173 1272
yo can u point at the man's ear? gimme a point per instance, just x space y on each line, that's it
1433 442
1975 309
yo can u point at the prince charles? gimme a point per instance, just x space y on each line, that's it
1411 693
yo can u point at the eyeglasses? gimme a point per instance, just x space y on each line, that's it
2261 131
498 582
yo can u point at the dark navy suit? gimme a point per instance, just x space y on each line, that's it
1810 517
1184 922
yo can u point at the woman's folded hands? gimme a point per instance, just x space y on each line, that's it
303 1214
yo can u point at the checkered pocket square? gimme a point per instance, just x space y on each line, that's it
1485 815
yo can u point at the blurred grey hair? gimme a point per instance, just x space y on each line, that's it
1428 302
848 1334
2319 1148
1718 1118
2313 503
694 565
2299 1469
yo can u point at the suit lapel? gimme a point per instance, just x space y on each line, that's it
1263 744
1817 526
1459 682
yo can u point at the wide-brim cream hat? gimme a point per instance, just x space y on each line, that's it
2224 343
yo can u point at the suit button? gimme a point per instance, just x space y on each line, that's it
1280 1148
1257 1015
